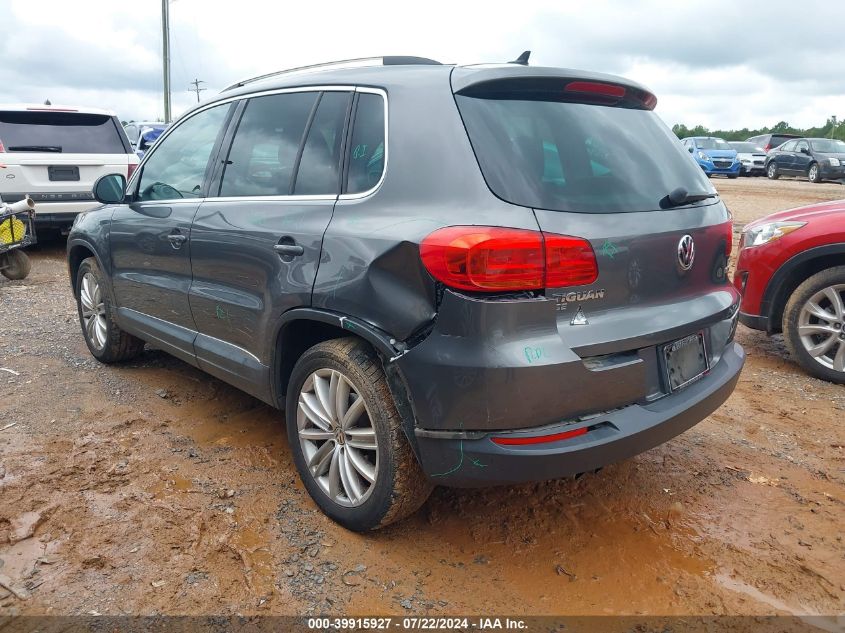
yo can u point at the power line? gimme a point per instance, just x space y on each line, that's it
196 87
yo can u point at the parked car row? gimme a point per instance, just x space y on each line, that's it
775 155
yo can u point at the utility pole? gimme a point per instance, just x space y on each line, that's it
196 87
165 46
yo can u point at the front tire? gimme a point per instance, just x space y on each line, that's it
772 171
814 174
814 325
105 340
733 176
347 439
16 265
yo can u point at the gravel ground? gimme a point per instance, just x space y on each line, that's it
151 488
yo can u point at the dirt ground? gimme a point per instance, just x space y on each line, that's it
152 488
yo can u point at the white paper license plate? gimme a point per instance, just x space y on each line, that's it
686 361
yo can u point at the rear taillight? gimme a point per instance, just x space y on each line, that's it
570 261
131 170
768 147
2 149
729 237
497 259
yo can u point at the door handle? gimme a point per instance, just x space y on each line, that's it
290 250
177 239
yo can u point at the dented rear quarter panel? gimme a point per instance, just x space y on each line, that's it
370 266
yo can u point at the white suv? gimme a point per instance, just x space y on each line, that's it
55 154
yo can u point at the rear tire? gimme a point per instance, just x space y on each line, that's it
814 174
16 265
359 469
814 325
105 340
772 171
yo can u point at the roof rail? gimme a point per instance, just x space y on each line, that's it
359 62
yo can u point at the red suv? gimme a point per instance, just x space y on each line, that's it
791 272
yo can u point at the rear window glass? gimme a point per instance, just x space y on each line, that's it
263 154
580 157
366 151
748 148
65 132
777 141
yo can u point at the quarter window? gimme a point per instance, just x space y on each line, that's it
177 167
318 167
367 150
263 156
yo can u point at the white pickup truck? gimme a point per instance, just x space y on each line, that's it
55 154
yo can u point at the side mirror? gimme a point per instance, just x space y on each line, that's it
110 189
690 150
805 150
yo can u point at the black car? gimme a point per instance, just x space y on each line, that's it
770 141
455 275
817 159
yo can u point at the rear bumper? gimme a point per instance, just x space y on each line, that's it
60 215
754 322
473 459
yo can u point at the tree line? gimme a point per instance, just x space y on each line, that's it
837 127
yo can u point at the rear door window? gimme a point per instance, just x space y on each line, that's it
779 140
265 149
570 156
177 166
60 132
367 149
319 167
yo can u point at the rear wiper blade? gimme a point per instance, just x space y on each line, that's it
34 148
680 196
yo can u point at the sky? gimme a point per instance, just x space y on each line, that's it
723 64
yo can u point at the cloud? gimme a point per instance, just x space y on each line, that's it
723 65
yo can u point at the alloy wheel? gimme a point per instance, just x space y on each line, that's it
93 311
821 327
814 173
337 437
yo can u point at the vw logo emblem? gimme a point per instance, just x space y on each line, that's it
686 252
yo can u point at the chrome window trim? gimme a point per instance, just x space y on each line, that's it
280 198
263 93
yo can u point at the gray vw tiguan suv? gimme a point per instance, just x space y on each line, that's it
456 275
